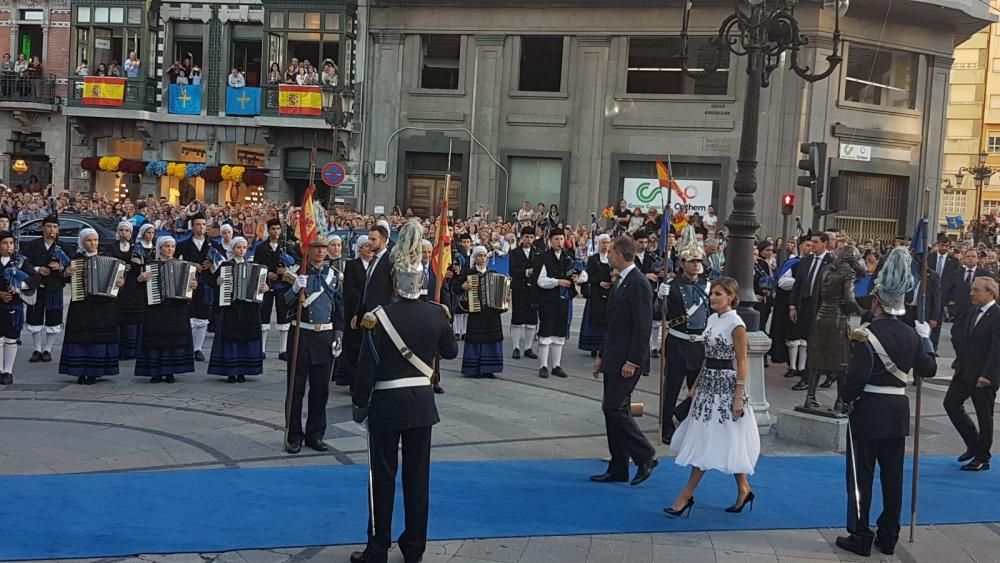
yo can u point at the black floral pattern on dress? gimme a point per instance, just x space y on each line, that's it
717 387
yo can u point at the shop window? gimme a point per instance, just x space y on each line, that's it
441 55
654 67
881 77
540 68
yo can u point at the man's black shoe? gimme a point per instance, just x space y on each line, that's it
644 471
828 382
791 373
654 354
36 356
516 355
608 478
317 445
438 390
558 372
199 356
46 356
293 447
854 545
543 373
6 379
359 557
802 385
888 550
283 357
966 456
529 354
976 465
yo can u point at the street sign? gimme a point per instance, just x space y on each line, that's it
333 174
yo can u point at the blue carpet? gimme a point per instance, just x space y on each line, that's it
119 514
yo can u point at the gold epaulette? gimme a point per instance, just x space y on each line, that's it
860 334
369 321
447 311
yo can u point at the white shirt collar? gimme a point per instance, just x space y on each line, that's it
987 306
623 273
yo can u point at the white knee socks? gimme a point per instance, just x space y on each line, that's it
198 333
543 355
50 337
9 354
38 338
517 335
529 336
803 355
263 338
655 336
283 338
793 354
556 355
461 323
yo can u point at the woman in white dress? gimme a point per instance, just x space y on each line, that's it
720 431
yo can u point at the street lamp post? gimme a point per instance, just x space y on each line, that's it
338 115
981 175
762 31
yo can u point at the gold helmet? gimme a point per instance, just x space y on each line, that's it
688 248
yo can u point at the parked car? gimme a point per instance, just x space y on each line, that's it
70 226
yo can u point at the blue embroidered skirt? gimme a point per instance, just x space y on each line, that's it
482 358
591 337
235 358
90 360
128 341
151 362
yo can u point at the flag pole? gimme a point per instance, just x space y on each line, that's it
442 228
922 316
664 327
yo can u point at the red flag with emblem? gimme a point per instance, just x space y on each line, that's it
307 221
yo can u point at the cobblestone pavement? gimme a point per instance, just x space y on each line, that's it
52 425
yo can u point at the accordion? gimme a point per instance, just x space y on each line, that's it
241 282
170 280
96 275
489 290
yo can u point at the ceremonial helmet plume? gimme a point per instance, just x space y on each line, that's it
894 281
688 247
407 266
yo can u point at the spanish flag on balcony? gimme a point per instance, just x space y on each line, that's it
103 91
299 100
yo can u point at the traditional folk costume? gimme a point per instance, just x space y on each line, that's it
461 261
687 316
595 313
275 255
483 353
236 348
524 308
45 316
131 301
553 307
20 279
165 344
200 252
90 347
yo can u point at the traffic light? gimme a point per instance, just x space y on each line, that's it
787 204
838 194
813 162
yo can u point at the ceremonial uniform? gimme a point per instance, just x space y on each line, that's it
595 313
322 325
687 315
881 355
20 280
198 252
90 347
274 256
524 308
45 315
131 301
461 261
400 407
553 308
236 348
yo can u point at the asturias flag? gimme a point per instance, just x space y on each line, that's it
184 99
103 91
299 100
307 221
243 101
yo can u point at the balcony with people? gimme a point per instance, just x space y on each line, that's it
23 81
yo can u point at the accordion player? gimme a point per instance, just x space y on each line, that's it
488 290
242 282
171 279
96 275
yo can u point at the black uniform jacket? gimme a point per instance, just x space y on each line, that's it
879 416
955 293
630 320
426 330
40 257
934 305
801 290
265 256
977 353
519 264
377 290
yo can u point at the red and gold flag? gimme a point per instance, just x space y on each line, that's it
307 222
441 256
299 100
103 91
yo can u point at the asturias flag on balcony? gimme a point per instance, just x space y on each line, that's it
184 99
299 100
243 101
103 91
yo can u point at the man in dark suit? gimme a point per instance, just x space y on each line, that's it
955 292
377 291
393 393
933 308
977 374
624 356
804 299
941 260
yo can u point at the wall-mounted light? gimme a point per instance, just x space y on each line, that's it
19 166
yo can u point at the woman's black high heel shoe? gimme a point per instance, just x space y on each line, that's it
737 508
687 508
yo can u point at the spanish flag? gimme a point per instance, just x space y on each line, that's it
103 91
307 227
666 179
299 100
441 256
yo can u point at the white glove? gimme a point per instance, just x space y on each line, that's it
300 283
362 427
923 329
337 348
663 291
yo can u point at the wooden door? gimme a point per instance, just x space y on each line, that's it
424 195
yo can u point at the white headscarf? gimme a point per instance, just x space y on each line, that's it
84 233
385 224
126 224
362 240
142 231
226 227
160 242
477 251
602 237
334 238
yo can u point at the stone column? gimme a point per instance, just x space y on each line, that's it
212 77
757 384
384 89
589 120
485 178
932 149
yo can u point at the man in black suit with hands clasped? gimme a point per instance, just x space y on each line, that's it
624 356
955 292
977 373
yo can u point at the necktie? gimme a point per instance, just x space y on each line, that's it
968 278
940 264
812 273
371 268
